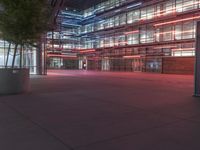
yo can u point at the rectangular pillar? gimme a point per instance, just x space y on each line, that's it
197 63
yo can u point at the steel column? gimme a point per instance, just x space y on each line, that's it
197 63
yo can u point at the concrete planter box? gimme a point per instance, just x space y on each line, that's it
14 81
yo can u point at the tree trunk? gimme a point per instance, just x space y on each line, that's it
14 56
8 53
20 63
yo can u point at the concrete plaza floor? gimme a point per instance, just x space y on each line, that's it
80 110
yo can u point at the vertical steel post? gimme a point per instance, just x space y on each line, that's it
197 62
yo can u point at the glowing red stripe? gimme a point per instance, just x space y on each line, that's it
131 32
135 56
87 51
176 21
63 56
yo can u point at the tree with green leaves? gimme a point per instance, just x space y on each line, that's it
23 22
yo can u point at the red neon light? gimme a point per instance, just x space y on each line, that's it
63 56
87 51
131 32
133 56
176 21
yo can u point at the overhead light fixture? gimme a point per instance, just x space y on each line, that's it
118 10
131 32
134 5
132 56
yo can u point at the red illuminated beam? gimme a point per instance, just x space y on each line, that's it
131 32
63 56
132 56
176 21
87 51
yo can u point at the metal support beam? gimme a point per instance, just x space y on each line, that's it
197 63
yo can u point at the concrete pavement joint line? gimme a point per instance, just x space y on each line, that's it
139 108
38 125
128 135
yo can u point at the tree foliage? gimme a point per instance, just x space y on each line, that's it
24 21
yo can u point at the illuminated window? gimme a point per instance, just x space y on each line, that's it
168 33
133 38
147 13
122 20
116 20
169 7
188 30
147 34
183 53
133 16
185 5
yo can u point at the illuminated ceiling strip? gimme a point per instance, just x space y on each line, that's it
117 10
87 51
133 56
134 5
71 14
63 56
182 49
176 21
131 32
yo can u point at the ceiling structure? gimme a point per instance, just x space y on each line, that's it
81 4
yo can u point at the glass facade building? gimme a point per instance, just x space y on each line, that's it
126 35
